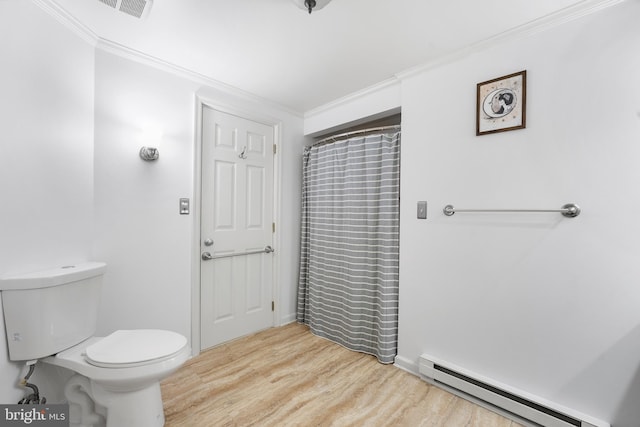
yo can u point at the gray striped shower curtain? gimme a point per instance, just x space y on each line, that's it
348 284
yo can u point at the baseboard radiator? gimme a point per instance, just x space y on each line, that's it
508 399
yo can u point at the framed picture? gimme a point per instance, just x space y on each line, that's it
502 104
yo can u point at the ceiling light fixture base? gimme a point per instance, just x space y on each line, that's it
311 5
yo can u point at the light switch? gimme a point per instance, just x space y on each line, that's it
422 210
184 206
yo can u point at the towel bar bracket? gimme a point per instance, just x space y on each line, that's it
570 210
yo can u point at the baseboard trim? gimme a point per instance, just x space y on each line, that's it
286 319
407 365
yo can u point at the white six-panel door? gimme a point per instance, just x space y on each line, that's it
237 216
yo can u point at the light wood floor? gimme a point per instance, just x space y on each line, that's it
289 377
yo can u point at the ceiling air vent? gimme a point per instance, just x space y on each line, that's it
137 8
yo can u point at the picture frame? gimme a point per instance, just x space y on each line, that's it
502 104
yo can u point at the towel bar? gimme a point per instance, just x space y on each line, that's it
570 210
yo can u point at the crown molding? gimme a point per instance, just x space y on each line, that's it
555 19
568 14
69 21
563 16
169 67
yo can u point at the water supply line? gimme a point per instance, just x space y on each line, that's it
33 398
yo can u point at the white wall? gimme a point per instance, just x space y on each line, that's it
540 302
140 234
46 152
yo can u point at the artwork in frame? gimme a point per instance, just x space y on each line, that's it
501 104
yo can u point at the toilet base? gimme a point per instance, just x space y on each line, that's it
92 405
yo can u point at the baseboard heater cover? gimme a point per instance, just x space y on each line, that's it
522 404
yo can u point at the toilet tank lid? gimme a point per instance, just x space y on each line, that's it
52 277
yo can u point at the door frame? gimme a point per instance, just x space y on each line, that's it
196 206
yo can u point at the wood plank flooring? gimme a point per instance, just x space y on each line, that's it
288 377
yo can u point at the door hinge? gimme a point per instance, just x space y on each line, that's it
273 227
273 306
274 148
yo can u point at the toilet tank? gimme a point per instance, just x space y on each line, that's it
48 311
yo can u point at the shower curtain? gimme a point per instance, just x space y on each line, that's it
348 284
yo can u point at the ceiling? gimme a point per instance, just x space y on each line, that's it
275 50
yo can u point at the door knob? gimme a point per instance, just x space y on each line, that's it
206 256
208 242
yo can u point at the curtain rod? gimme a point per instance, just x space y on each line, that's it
355 132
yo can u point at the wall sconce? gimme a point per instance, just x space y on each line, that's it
149 154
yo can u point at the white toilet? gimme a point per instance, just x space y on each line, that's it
51 316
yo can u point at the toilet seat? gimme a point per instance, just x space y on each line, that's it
75 359
131 348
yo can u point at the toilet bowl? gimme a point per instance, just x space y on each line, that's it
121 375
117 378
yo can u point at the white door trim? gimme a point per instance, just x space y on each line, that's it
201 102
